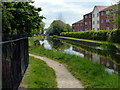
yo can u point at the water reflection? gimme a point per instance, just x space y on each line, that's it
45 44
107 62
72 51
106 50
50 43
105 55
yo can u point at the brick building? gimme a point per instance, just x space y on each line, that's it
102 20
106 20
88 21
98 19
78 26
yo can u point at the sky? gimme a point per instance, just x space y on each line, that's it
69 11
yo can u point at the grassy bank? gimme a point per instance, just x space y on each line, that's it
91 74
39 75
86 40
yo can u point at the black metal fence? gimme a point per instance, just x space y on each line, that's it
14 59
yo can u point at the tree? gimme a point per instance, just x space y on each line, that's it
69 28
58 26
20 18
115 13
42 27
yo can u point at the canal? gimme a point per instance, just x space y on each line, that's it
107 55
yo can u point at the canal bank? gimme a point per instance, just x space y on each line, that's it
85 41
92 74
106 49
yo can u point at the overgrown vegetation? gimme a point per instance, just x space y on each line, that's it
91 74
58 26
102 35
39 75
20 18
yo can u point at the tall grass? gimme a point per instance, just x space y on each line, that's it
91 74
39 75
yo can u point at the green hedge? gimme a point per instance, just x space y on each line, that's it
101 35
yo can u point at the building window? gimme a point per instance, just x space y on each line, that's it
97 14
107 21
107 28
97 28
93 22
97 22
102 21
89 23
89 16
107 12
93 28
114 27
93 15
102 13
86 17
81 24
85 23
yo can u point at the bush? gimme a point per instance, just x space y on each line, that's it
101 35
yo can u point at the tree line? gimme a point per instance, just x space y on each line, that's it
21 18
58 26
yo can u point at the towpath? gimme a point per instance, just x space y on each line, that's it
64 78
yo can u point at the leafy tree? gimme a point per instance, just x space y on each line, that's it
69 28
115 13
42 27
58 26
20 18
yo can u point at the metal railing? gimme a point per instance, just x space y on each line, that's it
14 59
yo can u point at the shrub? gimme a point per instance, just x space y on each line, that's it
101 35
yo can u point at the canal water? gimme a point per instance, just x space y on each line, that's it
107 55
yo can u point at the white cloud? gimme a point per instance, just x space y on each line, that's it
72 10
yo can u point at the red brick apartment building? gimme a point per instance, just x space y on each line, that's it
78 26
103 18
106 20
88 21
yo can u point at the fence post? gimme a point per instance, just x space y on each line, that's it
0 47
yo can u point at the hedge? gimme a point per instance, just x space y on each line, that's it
101 35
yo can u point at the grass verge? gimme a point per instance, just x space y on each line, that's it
91 74
94 41
39 75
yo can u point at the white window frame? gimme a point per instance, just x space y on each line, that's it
102 21
93 22
89 16
86 17
93 15
86 23
102 13
97 22
97 14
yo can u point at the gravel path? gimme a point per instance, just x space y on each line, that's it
64 78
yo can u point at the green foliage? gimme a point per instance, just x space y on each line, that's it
92 74
58 26
20 18
102 35
40 75
115 14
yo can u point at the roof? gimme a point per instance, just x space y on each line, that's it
88 13
80 21
109 7
100 8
